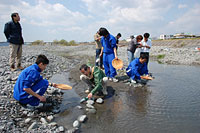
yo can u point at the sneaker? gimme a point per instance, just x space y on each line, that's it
110 79
114 80
133 81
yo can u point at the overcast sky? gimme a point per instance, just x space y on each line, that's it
80 19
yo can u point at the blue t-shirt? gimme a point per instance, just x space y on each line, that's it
108 43
27 78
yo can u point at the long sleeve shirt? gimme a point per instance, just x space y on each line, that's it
133 45
27 78
147 43
108 43
97 41
136 69
97 79
13 33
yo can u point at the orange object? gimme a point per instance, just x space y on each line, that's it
63 87
198 49
117 63
146 77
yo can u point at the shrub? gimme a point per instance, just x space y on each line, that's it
38 42
161 56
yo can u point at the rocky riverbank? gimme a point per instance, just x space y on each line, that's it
15 118
178 52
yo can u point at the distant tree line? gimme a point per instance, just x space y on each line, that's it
56 42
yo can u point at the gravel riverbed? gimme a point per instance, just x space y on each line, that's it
15 118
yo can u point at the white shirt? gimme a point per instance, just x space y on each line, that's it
148 43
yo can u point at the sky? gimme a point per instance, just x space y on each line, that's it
79 20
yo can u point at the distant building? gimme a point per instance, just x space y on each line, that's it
183 35
166 37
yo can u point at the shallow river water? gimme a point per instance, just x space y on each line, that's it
169 103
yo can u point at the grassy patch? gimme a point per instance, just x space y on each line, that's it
161 56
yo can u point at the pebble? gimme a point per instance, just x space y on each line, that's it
56 111
50 118
33 125
90 102
53 124
43 120
76 123
91 111
89 106
99 100
73 130
82 118
79 107
61 129
27 120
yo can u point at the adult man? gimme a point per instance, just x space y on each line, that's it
137 68
95 78
99 59
146 45
117 39
30 85
135 43
109 52
13 33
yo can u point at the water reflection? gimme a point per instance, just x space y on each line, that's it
137 99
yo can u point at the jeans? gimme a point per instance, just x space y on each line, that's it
130 56
99 63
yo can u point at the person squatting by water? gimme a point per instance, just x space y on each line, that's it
146 45
95 78
13 33
135 43
30 85
137 68
99 59
109 53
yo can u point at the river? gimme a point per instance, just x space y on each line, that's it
168 103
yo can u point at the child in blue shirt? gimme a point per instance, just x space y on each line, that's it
109 53
137 68
30 85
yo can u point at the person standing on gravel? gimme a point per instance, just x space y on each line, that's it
146 45
99 59
109 53
135 43
30 85
95 78
13 33
117 39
